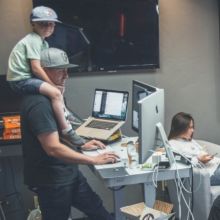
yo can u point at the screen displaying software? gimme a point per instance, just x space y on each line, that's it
110 104
140 90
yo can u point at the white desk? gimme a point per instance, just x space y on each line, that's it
136 176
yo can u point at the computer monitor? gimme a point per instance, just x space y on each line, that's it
147 112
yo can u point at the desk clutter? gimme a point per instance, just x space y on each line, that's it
127 150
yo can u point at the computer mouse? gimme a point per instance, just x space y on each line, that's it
118 160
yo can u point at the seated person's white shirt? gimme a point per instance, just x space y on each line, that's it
192 149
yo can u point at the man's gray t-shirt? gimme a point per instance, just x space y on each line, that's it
37 117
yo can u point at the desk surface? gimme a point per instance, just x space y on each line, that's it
135 175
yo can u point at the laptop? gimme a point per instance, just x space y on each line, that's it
108 114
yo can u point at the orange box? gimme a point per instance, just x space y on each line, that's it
11 121
12 130
11 136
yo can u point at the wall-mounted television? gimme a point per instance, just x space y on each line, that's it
107 35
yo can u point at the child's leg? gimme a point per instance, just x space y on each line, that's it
36 86
57 103
69 136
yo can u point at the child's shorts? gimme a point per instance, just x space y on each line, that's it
26 86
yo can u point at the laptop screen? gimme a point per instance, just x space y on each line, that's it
110 104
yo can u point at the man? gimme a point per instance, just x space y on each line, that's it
50 167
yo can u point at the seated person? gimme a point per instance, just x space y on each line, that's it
181 140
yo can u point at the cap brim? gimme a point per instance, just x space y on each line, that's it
68 66
41 19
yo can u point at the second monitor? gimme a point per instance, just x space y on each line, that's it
147 112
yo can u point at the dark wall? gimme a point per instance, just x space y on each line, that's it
9 101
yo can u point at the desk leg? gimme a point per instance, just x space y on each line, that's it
149 194
118 203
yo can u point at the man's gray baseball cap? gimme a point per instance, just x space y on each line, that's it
55 58
42 13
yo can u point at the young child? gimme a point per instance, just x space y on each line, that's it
25 74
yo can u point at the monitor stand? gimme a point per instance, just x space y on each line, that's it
149 188
161 135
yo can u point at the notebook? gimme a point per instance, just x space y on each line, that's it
108 114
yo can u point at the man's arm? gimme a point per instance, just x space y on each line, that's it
54 148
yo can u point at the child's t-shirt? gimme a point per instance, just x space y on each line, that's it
29 47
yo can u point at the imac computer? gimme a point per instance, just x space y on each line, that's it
148 118
147 111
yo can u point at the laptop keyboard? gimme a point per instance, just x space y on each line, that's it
101 125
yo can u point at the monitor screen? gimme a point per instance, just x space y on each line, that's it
73 41
150 111
110 104
139 91
9 111
116 34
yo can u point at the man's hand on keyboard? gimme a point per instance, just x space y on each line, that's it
104 158
93 145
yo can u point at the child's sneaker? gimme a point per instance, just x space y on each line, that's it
74 121
72 139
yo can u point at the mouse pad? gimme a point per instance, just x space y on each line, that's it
113 172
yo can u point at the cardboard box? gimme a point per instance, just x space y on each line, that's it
139 211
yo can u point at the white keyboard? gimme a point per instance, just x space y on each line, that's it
107 149
118 149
